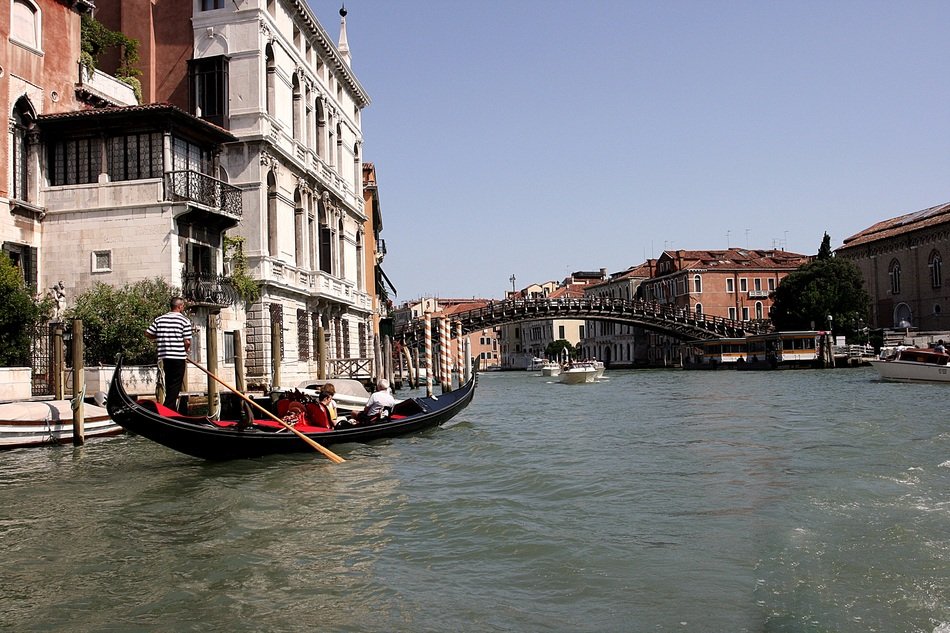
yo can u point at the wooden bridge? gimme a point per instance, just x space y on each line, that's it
650 315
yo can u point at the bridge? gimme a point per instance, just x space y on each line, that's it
650 315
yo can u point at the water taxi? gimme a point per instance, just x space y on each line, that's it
914 365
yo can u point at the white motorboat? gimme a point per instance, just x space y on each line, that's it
536 364
577 374
350 395
550 368
37 423
914 365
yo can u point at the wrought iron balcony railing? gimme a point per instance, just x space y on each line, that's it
203 189
213 290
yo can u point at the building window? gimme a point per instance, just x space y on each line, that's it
211 5
757 284
732 313
698 284
699 309
135 156
303 335
75 162
209 89
894 273
745 314
24 258
102 261
560 331
26 24
772 284
229 347
936 272
758 309
730 285
24 122
743 285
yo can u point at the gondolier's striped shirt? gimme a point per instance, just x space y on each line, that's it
171 330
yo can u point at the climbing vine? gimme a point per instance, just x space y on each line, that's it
246 287
96 39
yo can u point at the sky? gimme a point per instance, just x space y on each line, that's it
533 138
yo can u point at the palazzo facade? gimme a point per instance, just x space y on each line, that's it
269 73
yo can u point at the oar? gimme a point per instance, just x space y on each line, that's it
333 457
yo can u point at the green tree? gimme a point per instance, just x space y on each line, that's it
19 314
824 251
555 349
828 286
115 319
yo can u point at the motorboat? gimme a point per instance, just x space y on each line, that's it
350 395
550 368
39 423
536 364
914 365
577 374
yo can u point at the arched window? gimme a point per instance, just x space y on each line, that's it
903 317
295 112
271 214
269 95
24 120
360 282
697 283
699 310
300 224
339 147
341 242
321 128
894 273
326 253
936 272
26 24
758 309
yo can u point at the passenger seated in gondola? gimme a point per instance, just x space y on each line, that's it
378 404
318 413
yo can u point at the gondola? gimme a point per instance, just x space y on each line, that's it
224 440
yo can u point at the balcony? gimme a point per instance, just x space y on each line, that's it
213 291
221 199
758 294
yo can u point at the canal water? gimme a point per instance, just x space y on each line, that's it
799 501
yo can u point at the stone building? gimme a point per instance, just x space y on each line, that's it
41 75
616 344
521 342
269 73
734 284
901 260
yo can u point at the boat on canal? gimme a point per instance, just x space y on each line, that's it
550 368
230 439
350 395
41 423
914 365
578 374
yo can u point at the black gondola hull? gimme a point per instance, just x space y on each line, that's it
205 440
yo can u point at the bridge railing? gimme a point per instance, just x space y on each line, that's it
595 307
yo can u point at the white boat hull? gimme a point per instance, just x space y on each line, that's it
578 375
551 371
908 371
25 424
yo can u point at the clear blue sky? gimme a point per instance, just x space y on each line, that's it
536 138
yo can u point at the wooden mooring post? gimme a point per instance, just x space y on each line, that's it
79 385
58 369
428 340
212 364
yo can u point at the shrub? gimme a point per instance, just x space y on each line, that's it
19 314
115 320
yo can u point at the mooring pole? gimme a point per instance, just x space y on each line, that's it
428 341
212 364
79 386
58 368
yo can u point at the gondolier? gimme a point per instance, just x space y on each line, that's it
172 332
